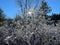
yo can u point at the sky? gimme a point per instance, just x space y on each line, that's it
10 7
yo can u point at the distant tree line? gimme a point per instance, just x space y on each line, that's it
55 17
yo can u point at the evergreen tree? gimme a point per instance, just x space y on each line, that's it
44 7
2 16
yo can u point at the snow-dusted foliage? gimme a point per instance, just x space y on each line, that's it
34 30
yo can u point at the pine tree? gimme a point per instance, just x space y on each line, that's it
2 16
44 7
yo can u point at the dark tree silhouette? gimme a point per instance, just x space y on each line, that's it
2 16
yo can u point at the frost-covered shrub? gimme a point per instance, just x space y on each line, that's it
30 31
